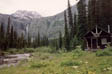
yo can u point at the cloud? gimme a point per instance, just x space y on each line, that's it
44 7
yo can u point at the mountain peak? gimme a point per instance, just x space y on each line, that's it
24 14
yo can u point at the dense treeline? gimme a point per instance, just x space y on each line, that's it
100 13
10 38
95 12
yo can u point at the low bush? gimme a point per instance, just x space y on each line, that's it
46 49
38 65
106 65
29 50
20 51
106 52
103 53
78 52
70 63
12 51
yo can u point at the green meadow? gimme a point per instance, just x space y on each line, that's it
45 61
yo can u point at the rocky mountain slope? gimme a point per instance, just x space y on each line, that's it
19 20
23 14
32 22
49 26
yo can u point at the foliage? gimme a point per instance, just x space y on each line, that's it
62 63
38 65
82 19
106 52
70 63
66 34
46 49
74 42
60 40
104 66
70 21
29 50
83 44
78 52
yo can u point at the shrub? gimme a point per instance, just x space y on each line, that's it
78 52
74 42
46 49
108 48
70 63
106 52
29 50
38 65
106 66
12 51
19 51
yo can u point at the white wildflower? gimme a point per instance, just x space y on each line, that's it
86 62
80 61
75 67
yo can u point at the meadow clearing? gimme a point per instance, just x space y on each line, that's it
46 61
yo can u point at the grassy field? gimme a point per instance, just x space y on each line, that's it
74 62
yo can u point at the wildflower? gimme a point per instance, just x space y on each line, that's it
86 62
80 61
104 69
75 67
109 68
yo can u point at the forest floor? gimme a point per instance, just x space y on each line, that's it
74 62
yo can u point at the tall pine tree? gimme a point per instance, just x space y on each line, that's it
82 19
8 33
70 21
60 40
2 36
66 35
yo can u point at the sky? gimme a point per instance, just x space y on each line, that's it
43 7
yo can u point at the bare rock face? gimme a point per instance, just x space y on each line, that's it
19 20
49 26
23 14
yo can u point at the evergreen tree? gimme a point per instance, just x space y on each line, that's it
44 41
12 38
2 36
29 41
56 45
20 40
75 25
35 43
105 13
82 22
66 35
92 14
8 33
15 42
70 20
38 40
60 40
82 19
97 13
